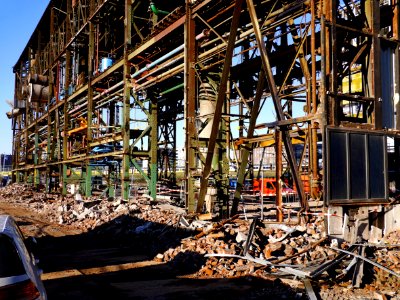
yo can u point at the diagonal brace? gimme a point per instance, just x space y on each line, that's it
277 103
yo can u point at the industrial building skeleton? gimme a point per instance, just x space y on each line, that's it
95 69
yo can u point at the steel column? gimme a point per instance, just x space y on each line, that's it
278 174
153 148
89 132
126 103
36 159
376 64
67 81
190 107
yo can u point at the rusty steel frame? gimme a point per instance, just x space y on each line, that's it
306 51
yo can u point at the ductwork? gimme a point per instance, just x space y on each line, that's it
38 93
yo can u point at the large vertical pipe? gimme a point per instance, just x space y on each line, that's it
126 102
190 107
219 104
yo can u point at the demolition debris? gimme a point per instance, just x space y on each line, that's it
302 255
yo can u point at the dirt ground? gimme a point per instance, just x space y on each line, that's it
95 264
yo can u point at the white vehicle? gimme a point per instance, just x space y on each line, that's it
19 274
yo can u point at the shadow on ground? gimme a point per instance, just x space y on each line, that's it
115 261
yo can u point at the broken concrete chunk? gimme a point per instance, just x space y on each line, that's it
241 237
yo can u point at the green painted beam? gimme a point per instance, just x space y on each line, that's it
88 181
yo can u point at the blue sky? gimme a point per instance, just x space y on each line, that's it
18 19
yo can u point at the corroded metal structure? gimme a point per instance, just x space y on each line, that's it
218 78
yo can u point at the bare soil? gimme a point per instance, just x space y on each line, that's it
100 264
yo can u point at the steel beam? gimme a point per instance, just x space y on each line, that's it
89 132
376 63
278 174
190 108
67 80
153 147
126 103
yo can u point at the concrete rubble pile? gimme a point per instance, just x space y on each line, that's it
269 243
234 247
389 257
240 248
88 213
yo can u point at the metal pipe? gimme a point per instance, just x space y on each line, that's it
160 67
80 113
157 11
157 61
97 96
178 86
166 56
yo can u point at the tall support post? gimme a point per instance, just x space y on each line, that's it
111 181
331 48
277 103
26 131
219 104
126 102
88 181
314 124
372 15
36 159
89 132
323 97
376 64
15 147
49 131
153 148
278 174
324 74
65 105
174 151
190 108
